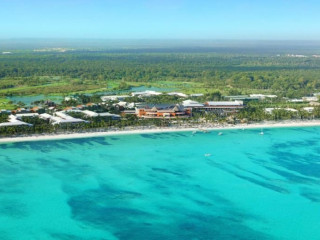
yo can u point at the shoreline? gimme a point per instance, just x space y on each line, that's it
267 124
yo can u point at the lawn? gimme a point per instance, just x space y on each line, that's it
5 104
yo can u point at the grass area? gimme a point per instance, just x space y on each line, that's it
64 86
5 104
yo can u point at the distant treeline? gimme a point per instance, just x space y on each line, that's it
81 70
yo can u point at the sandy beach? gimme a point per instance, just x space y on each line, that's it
208 127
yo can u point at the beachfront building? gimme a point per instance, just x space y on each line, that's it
65 116
191 104
124 105
45 116
60 118
21 115
13 121
223 107
128 112
104 114
173 111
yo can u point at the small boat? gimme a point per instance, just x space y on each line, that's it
261 133
194 132
207 155
220 133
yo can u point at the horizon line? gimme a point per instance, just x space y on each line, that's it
156 39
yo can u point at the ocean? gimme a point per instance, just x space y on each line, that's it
177 185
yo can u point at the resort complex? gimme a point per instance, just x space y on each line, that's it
151 108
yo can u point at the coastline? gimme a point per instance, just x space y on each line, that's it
262 125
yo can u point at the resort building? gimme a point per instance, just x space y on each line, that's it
21 115
105 114
71 109
244 98
304 99
262 96
49 103
128 112
295 100
13 121
37 109
308 109
70 99
21 110
196 95
314 103
223 107
191 104
270 110
174 111
147 93
4 111
45 116
114 98
178 94
62 118
124 104
310 99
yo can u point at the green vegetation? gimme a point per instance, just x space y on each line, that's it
6 104
80 71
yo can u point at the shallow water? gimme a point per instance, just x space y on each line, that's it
240 185
136 89
28 100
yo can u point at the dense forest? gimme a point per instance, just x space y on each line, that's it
25 73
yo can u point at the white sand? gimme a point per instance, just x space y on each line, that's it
293 123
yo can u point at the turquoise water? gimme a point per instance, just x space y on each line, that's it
135 89
162 186
28 100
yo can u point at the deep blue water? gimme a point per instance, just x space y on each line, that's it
164 186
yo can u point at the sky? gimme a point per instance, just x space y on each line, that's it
161 19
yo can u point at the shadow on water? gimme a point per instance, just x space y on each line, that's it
167 171
53 145
310 194
64 236
13 209
267 183
306 165
292 177
167 135
122 212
